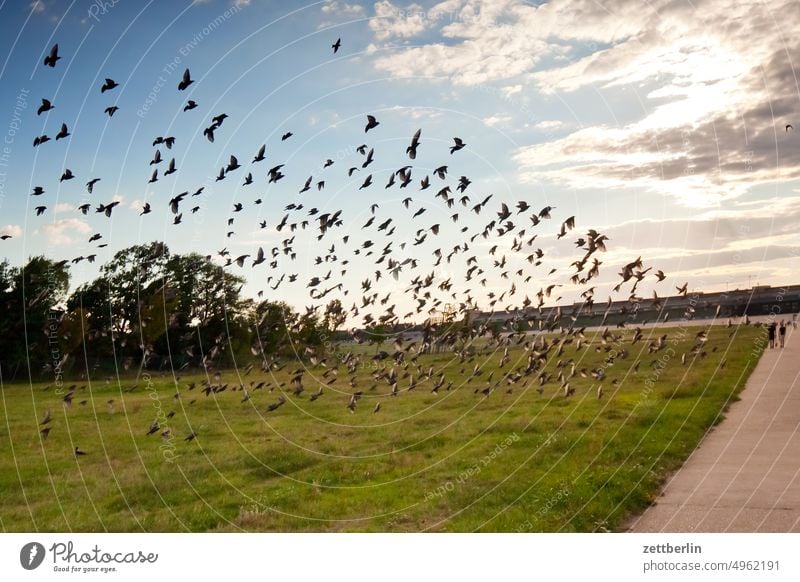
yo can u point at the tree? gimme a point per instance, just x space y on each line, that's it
33 302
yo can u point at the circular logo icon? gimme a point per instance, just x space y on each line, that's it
31 555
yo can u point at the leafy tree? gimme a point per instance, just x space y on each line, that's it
33 300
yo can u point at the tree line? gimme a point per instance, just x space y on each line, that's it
148 309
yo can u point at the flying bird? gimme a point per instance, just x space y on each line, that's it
63 132
372 123
50 60
411 150
185 81
109 85
260 155
459 144
90 184
45 106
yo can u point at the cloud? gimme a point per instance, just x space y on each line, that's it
11 230
60 232
392 22
63 207
333 7
549 124
715 86
495 120
37 6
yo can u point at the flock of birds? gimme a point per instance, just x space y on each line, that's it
495 260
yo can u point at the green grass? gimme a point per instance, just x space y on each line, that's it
457 461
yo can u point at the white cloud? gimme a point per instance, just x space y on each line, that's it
37 6
333 7
12 230
391 21
497 120
549 124
60 232
63 207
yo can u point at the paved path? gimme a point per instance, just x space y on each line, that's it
745 475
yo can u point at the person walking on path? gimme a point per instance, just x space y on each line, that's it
782 332
771 334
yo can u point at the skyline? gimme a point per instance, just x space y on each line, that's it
665 134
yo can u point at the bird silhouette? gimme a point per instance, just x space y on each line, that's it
45 106
372 123
186 80
108 85
52 57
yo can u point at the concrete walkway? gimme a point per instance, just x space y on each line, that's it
745 475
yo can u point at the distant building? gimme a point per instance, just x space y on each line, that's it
760 300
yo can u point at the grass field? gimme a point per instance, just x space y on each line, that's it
515 460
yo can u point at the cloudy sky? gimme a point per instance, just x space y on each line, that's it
661 124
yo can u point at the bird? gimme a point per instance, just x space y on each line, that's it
90 184
286 135
190 104
107 208
145 209
175 202
372 123
79 452
186 80
39 140
459 144
67 175
233 164
50 59
788 127
108 85
45 106
337 45
259 257
63 132
110 111
260 155
411 150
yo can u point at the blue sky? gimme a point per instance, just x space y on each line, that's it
663 126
